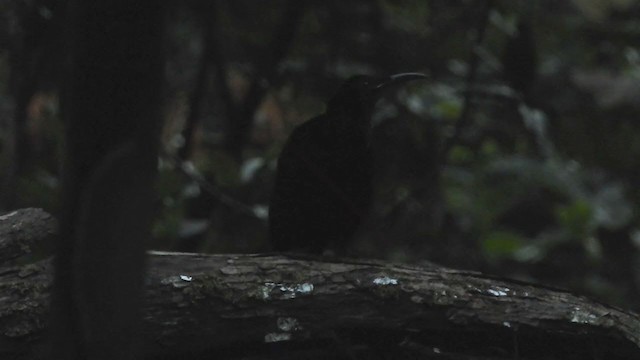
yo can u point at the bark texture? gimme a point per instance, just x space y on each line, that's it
269 306
22 231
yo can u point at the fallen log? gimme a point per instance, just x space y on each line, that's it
275 306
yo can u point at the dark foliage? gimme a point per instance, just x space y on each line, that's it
519 156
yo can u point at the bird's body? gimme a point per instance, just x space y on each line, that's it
322 190
323 187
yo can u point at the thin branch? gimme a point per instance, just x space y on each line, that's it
200 87
188 170
472 75
240 124
219 60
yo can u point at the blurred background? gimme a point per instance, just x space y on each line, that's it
520 156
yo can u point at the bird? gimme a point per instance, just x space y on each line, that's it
323 184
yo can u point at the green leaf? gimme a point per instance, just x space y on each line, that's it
502 243
449 109
577 218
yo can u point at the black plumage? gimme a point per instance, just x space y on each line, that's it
323 186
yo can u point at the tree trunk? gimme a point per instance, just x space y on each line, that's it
111 106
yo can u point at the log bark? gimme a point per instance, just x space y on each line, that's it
271 306
22 231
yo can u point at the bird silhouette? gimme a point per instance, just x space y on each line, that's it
323 185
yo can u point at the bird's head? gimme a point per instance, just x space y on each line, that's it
361 92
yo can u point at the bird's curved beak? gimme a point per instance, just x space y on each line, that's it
398 79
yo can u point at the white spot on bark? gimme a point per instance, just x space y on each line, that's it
6 216
288 324
385 280
498 291
289 291
582 317
276 337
